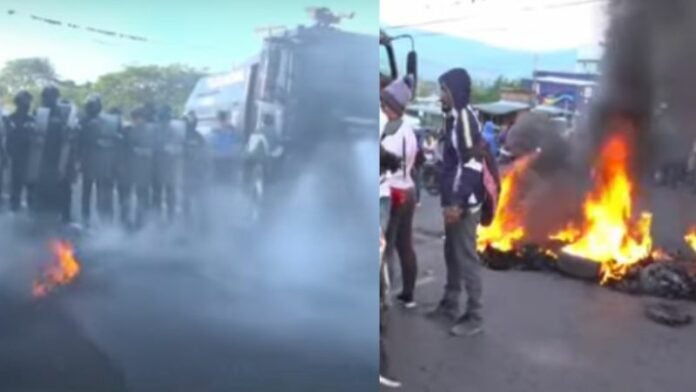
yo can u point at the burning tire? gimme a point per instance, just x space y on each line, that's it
578 267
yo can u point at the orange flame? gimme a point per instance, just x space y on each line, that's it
609 234
62 270
567 235
690 238
507 228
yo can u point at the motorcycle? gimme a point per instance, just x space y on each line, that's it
431 169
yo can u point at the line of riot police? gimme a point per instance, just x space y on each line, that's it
142 166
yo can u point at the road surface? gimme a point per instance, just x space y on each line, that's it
543 333
291 307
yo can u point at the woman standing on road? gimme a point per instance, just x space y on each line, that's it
398 138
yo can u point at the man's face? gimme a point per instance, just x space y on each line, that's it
445 99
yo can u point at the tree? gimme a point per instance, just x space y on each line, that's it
28 73
137 85
74 92
489 92
126 89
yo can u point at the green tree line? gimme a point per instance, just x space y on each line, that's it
126 89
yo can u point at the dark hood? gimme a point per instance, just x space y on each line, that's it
458 82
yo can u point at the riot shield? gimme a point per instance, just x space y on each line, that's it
68 115
109 130
175 141
36 147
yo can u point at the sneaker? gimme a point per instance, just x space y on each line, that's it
443 313
388 382
467 326
406 301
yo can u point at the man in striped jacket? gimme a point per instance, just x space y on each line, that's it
462 196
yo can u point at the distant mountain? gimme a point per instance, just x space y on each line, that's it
437 53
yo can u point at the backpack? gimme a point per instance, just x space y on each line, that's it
490 177
491 185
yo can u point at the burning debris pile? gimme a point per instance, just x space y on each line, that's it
609 238
62 269
610 241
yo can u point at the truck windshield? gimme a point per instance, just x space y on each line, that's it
218 92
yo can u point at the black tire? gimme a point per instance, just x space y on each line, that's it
578 267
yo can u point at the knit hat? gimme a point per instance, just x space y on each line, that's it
396 96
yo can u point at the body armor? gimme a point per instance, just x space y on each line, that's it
141 154
36 142
100 142
170 148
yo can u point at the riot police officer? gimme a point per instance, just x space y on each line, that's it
195 170
140 154
52 155
124 177
168 153
20 132
99 139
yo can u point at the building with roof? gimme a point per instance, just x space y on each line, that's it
567 91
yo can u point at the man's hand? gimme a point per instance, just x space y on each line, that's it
452 214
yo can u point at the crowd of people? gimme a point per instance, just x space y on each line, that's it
469 187
137 166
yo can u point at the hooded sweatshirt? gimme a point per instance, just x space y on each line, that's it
462 167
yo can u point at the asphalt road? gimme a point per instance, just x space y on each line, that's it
543 332
290 307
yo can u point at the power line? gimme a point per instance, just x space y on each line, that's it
108 32
521 9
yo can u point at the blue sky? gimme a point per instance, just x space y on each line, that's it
207 33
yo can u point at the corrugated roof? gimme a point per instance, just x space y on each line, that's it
502 107
569 81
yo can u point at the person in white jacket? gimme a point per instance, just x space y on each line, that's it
399 139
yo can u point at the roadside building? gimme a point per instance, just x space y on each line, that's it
568 91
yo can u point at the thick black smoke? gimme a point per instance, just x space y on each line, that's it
553 186
647 75
532 132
